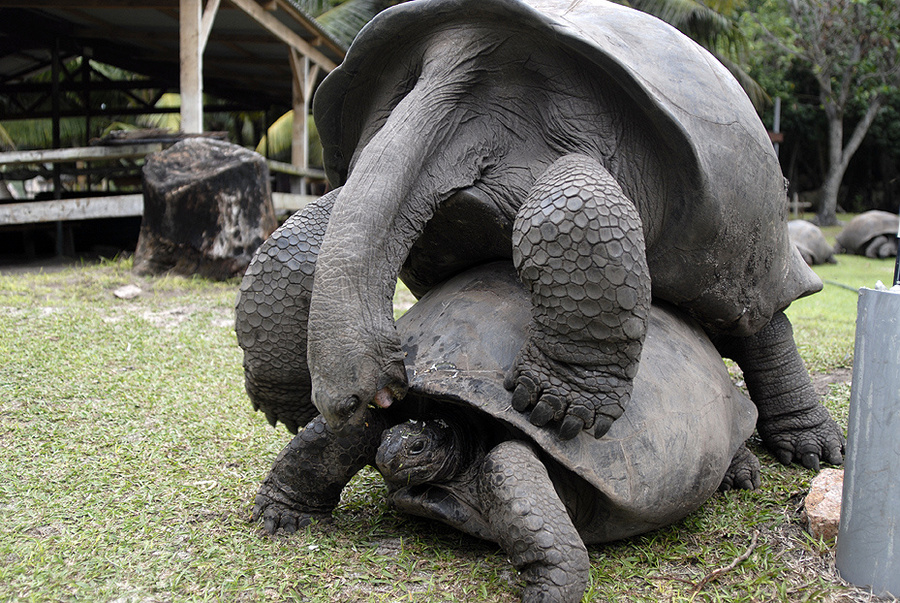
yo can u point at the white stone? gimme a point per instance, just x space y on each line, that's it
127 292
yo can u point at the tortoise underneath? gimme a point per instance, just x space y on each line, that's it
455 450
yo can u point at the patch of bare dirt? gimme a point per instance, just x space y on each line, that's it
822 381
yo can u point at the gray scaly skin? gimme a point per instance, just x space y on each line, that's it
307 477
272 313
743 472
579 248
792 422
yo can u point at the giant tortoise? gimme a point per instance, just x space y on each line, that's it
455 450
872 233
810 242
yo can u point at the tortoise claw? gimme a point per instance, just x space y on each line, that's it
810 460
525 394
601 425
571 427
543 413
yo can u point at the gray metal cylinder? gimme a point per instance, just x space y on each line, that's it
868 546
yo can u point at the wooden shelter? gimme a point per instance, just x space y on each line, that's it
234 55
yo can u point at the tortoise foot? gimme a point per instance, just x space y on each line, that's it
278 513
808 436
743 473
570 396
308 475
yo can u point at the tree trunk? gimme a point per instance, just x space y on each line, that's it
827 214
839 156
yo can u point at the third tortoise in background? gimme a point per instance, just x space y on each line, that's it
810 242
872 234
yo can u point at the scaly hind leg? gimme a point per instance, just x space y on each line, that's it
530 522
272 312
308 475
578 246
793 423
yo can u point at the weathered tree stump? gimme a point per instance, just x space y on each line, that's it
207 207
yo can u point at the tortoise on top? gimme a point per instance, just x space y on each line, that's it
604 152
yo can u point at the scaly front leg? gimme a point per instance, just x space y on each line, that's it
793 423
579 247
307 478
532 525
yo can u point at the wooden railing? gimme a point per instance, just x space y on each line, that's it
112 206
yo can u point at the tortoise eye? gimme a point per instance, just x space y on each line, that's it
347 407
418 447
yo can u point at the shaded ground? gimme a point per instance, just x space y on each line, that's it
17 264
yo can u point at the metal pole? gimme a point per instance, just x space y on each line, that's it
868 545
897 260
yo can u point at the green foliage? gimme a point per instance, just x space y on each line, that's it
850 45
779 58
38 133
711 24
279 136
344 20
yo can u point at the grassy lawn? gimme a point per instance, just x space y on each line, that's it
131 456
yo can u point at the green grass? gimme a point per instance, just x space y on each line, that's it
130 457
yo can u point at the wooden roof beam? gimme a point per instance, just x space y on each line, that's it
284 33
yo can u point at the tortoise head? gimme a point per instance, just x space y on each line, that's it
421 452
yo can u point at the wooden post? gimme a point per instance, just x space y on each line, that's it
305 73
86 99
191 51
55 69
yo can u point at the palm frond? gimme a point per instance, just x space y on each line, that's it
313 8
758 96
168 121
38 133
345 20
6 141
709 24
279 137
